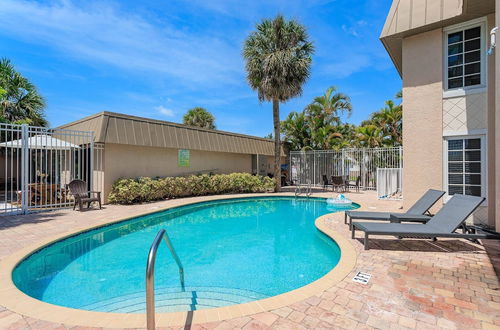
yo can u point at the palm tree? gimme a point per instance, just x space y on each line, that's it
278 62
369 136
346 136
324 137
199 117
296 132
20 102
333 103
390 119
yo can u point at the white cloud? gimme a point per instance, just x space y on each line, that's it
99 33
355 28
164 111
347 65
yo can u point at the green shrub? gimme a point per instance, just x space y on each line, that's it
144 189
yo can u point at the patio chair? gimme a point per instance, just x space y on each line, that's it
355 184
444 224
338 183
326 183
419 212
78 189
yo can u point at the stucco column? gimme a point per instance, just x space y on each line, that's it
422 114
496 136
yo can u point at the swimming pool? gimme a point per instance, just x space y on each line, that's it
233 251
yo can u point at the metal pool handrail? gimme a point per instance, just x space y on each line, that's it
150 275
298 190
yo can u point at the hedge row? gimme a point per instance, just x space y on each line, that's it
144 189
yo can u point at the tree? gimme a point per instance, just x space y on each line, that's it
369 136
346 138
278 59
296 130
333 103
390 119
20 102
318 125
199 117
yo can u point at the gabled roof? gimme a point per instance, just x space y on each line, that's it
410 17
111 127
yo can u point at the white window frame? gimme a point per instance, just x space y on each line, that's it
484 163
460 91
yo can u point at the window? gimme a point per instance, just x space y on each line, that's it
465 166
464 57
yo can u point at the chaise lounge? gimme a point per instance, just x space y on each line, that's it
416 213
444 224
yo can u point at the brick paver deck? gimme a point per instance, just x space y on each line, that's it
415 284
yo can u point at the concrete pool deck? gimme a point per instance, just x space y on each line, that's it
415 284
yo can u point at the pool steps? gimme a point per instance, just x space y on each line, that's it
174 300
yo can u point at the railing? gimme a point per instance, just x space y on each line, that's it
298 190
312 165
150 275
37 164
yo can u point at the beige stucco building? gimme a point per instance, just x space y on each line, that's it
129 147
451 112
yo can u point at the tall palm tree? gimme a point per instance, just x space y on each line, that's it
199 117
333 103
278 59
20 101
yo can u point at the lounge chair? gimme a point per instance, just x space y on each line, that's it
444 224
78 189
416 213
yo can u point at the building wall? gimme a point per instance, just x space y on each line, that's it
126 161
495 155
431 115
471 114
493 178
422 115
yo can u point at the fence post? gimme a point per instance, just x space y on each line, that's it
363 175
343 165
91 170
25 168
401 167
400 157
314 168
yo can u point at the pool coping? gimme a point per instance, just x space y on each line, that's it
17 301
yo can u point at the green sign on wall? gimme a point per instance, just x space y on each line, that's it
183 158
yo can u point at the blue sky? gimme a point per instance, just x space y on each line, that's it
159 58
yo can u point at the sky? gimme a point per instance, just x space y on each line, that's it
157 59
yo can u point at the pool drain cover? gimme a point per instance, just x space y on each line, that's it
362 278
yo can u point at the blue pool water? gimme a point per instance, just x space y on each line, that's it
233 251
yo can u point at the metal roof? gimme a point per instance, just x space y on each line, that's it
410 17
111 127
41 142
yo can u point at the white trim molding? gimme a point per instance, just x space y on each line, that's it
462 91
463 134
484 163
